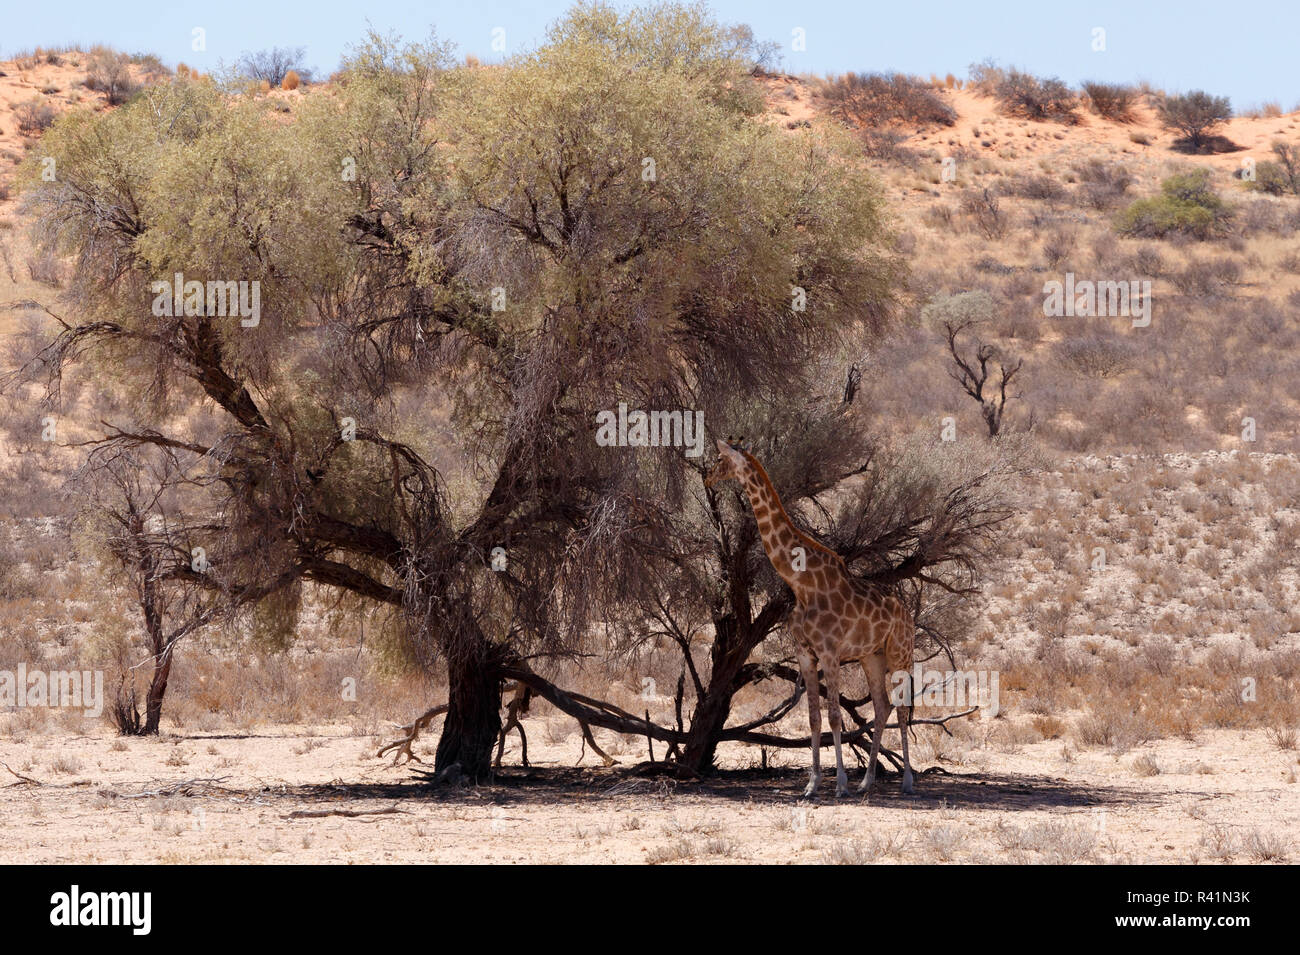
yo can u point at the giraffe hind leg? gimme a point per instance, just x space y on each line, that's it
905 717
875 668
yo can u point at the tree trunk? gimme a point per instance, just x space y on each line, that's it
157 690
473 723
731 648
162 649
707 724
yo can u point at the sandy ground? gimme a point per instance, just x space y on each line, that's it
1220 798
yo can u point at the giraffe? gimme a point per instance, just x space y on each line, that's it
836 620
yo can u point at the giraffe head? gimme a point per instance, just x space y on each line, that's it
731 466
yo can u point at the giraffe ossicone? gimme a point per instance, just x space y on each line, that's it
836 620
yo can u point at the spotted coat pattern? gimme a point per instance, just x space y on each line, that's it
836 620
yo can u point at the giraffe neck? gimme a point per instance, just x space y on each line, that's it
780 536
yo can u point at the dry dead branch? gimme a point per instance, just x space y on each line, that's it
22 780
412 731
346 813
188 787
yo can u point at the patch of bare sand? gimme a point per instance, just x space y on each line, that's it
1225 797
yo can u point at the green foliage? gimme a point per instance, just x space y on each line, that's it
1195 114
685 39
647 234
1187 204
273 621
632 188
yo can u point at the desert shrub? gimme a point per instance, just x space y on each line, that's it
877 98
44 267
34 116
1260 215
985 77
986 215
1147 260
14 582
1103 184
959 309
887 145
1280 177
1195 115
1269 178
1035 187
1207 278
1096 356
1058 245
1187 205
153 68
291 81
1023 94
1114 101
1288 158
110 73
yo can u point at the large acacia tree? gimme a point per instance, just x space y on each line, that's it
458 268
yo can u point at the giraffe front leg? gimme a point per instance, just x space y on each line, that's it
832 668
808 667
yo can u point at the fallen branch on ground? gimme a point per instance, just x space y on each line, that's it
189 787
349 813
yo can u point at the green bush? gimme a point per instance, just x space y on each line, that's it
1195 115
1187 204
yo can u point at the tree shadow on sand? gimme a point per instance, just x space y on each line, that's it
774 787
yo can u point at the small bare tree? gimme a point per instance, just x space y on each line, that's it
973 374
274 65
127 487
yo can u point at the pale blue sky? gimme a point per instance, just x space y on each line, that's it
1247 51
